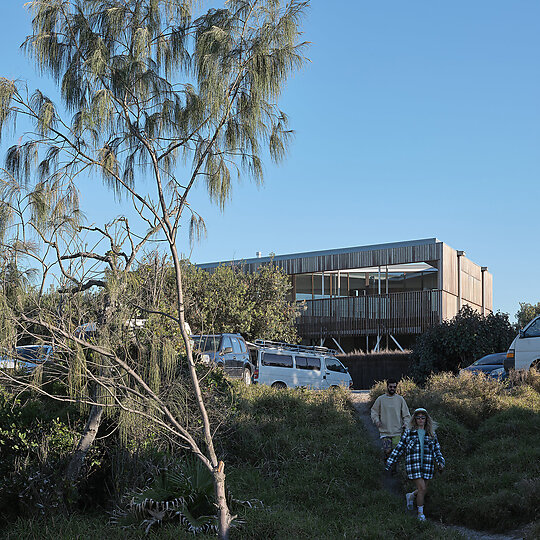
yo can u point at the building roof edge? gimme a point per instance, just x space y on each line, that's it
322 253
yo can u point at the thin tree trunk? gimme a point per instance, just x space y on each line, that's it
170 231
89 433
88 436
218 474
221 498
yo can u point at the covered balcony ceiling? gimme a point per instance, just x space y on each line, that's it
413 268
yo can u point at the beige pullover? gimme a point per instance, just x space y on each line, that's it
392 412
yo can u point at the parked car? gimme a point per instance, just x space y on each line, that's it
487 363
26 357
228 351
282 365
524 351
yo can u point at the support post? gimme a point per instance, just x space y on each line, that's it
338 345
378 309
396 342
484 270
459 255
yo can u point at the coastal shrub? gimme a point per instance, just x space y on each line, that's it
456 343
36 439
304 454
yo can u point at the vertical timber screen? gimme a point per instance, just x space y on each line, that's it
409 312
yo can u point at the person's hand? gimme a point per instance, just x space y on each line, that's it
378 423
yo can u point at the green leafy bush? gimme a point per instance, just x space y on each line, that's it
36 439
225 300
458 342
527 312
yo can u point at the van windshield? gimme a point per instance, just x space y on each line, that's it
533 330
206 344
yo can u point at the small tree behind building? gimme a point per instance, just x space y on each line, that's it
527 312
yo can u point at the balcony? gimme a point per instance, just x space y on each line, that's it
410 312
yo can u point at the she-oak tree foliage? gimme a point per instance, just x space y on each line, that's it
154 94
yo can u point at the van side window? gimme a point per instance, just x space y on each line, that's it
278 360
334 365
534 329
308 362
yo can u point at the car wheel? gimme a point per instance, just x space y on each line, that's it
246 376
536 364
279 384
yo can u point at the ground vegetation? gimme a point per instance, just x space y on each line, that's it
304 461
488 431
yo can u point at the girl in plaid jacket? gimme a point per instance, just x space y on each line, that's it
422 452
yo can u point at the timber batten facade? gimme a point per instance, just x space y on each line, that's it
394 314
356 296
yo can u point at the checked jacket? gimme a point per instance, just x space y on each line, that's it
410 444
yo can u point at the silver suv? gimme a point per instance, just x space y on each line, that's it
228 351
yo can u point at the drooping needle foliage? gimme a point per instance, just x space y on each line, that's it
156 96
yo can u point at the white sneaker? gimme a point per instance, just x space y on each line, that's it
421 517
409 497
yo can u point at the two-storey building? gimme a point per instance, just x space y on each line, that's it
369 297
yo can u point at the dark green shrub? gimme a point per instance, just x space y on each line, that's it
36 439
458 342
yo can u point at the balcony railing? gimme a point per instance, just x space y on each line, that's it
409 312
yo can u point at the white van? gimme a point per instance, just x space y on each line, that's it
524 351
282 365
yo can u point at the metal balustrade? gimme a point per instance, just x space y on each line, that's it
410 312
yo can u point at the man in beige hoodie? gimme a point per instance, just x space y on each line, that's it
390 414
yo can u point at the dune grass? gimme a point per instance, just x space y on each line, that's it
308 461
490 437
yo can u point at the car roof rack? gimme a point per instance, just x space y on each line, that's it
294 347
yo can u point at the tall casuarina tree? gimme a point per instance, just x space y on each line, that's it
154 92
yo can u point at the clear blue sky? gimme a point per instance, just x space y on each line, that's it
413 120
